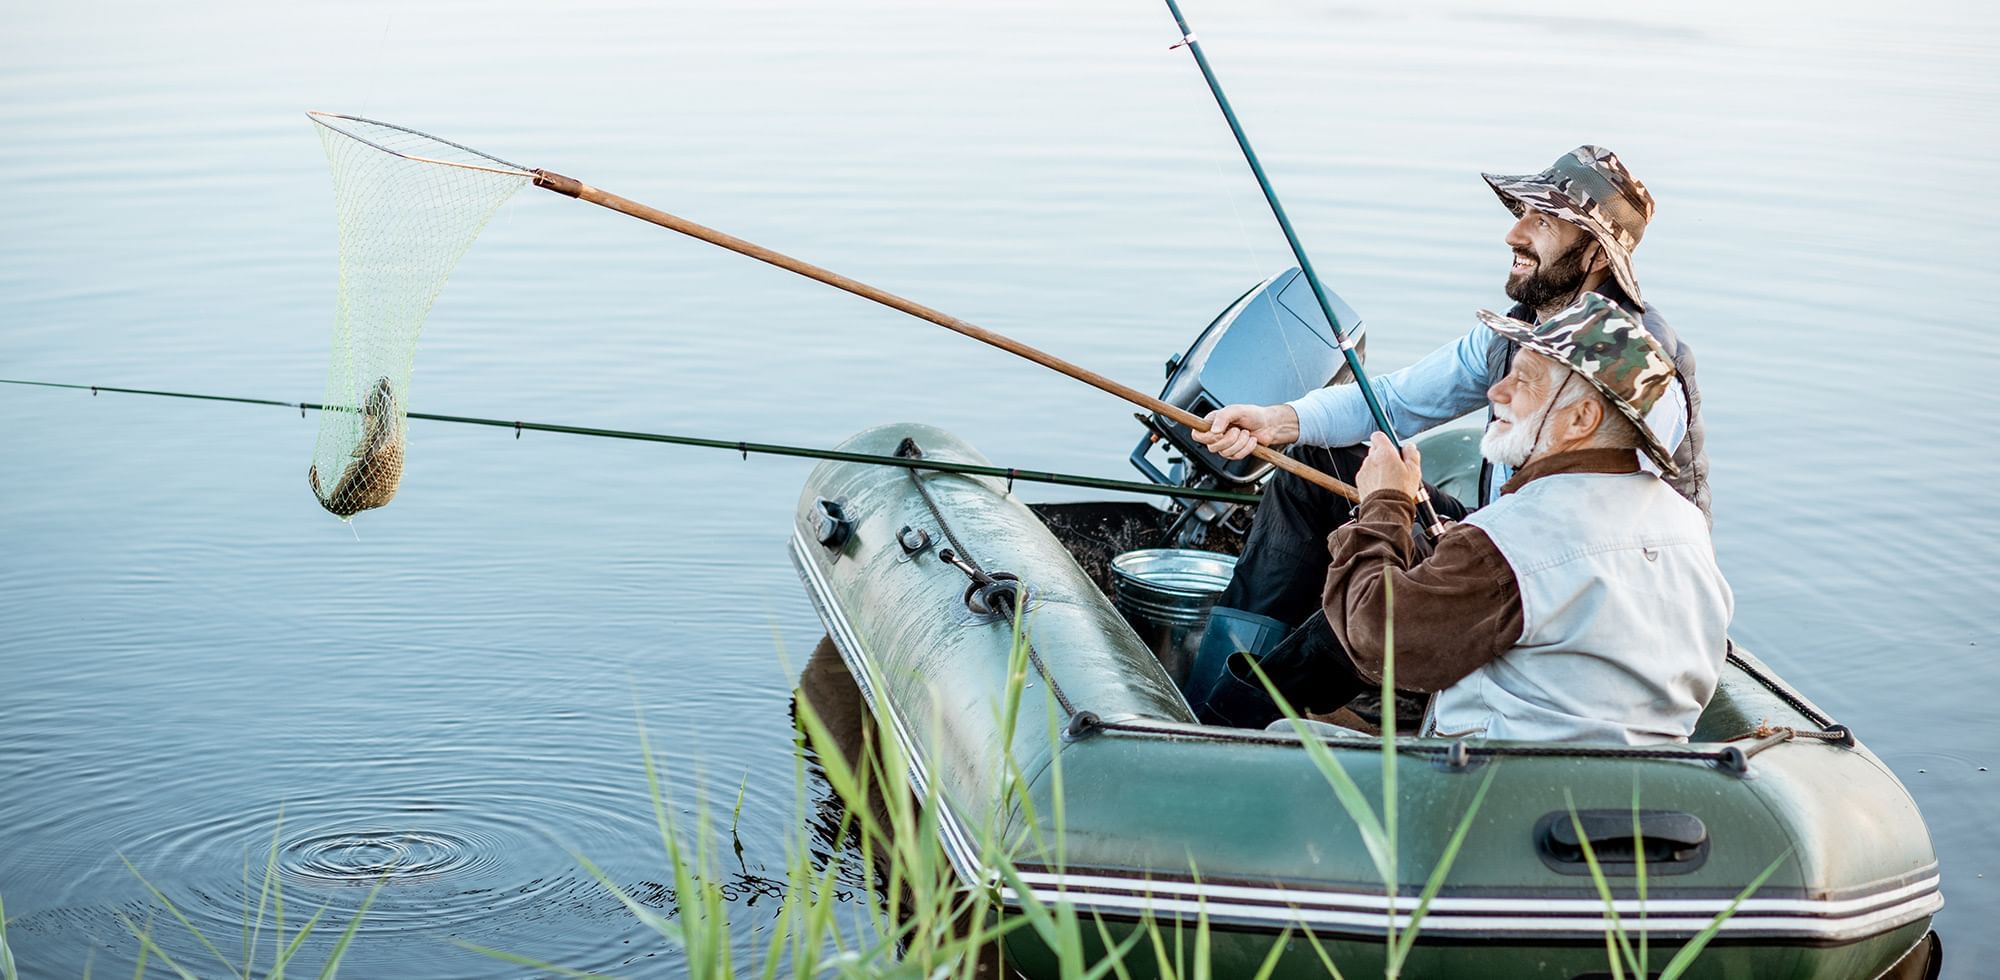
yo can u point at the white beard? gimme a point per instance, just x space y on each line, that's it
1514 446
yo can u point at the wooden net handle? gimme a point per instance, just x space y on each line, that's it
572 187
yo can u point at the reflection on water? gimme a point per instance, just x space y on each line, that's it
442 697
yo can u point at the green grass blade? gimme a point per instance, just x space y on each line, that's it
653 920
1270 964
1409 935
249 951
1104 936
660 817
1204 954
347 935
1114 956
1684 959
1390 876
1038 915
1352 800
162 899
139 970
146 943
528 961
7 970
1639 866
1164 964
1325 959
1614 927
285 955
269 889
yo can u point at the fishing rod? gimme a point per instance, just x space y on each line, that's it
571 187
1008 473
1433 526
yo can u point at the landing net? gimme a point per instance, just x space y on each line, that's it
408 207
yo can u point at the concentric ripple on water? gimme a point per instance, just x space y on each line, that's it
367 856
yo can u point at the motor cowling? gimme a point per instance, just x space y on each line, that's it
1271 345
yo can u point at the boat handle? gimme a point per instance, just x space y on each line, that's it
1673 842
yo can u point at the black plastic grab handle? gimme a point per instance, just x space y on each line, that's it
1670 841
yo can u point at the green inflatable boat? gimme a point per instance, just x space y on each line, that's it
913 574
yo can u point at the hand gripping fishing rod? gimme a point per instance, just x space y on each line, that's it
1426 514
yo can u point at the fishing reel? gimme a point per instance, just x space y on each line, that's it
1271 345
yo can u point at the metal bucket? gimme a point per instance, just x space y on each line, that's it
1166 593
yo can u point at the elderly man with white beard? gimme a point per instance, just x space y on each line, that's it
1583 605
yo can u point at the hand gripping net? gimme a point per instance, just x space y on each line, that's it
408 206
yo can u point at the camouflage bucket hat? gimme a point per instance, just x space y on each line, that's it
1611 349
1588 188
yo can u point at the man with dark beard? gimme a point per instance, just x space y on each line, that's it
1576 224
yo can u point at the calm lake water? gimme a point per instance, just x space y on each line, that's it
189 647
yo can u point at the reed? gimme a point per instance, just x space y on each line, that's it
270 910
920 921
1378 831
7 969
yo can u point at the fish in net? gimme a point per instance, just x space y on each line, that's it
408 206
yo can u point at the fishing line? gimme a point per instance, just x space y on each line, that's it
742 447
1247 240
1427 515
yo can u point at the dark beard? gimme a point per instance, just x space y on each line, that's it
1551 282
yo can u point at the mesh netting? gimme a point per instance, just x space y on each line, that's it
409 205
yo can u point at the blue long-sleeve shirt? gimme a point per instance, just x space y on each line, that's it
1447 383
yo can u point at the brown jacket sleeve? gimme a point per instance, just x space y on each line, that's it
1455 610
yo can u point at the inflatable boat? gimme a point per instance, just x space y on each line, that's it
916 575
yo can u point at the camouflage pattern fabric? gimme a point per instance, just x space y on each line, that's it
1612 350
1588 187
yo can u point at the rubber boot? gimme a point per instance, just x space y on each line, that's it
1229 632
1307 666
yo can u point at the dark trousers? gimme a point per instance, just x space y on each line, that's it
1281 575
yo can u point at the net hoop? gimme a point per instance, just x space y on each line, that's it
505 167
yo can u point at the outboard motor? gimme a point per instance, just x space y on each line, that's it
1271 345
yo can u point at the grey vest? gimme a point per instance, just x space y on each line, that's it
1689 456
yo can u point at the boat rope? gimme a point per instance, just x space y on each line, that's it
1458 754
1828 726
737 446
1001 590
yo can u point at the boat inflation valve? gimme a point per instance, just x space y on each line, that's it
832 525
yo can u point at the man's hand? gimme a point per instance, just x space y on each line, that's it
1235 430
1384 470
